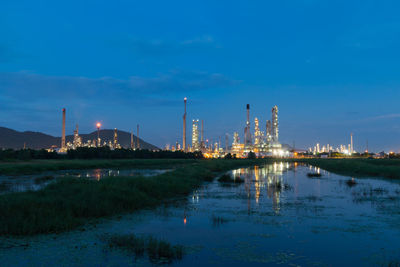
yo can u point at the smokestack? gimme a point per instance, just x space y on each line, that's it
351 143
63 130
137 137
248 113
184 127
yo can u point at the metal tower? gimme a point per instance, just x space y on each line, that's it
184 127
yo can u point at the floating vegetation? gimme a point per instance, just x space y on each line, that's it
314 175
394 263
226 178
379 191
313 198
158 251
42 179
351 182
287 187
279 186
218 220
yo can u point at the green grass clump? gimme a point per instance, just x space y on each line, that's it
389 168
156 249
70 202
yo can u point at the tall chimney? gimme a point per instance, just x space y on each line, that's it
137 137
184 127
248 113
351 143
63 130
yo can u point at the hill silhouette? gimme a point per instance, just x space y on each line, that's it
10 138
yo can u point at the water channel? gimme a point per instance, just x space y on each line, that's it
279 216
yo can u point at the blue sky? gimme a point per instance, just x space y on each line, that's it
332 67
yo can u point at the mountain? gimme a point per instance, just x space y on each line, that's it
13 139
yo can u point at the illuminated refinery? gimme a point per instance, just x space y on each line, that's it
77 140
343 149
262 143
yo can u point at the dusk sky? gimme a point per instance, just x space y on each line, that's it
332 67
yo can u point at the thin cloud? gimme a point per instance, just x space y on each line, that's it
27 89
165 48
383 117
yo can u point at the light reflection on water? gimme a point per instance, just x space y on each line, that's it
277 217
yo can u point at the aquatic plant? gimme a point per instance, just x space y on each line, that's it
313 174
226 178
218 220
42 179
157 250
351 182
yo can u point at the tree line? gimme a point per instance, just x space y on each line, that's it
96 153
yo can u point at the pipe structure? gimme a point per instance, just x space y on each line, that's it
184 127
63 130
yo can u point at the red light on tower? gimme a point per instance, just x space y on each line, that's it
98 125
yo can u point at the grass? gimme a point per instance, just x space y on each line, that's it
388 168
71 202
156 249
38 166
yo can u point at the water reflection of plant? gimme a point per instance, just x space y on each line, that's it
351 182
377 195
158 251
43 179
218 220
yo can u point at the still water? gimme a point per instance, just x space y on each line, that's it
278 216
35 182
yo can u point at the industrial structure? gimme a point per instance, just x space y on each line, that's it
195 135
262 143
184 126
343 149
63 147
77 140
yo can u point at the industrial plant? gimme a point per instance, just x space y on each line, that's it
97 142
261 142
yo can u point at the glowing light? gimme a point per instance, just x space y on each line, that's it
184 220
98 125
